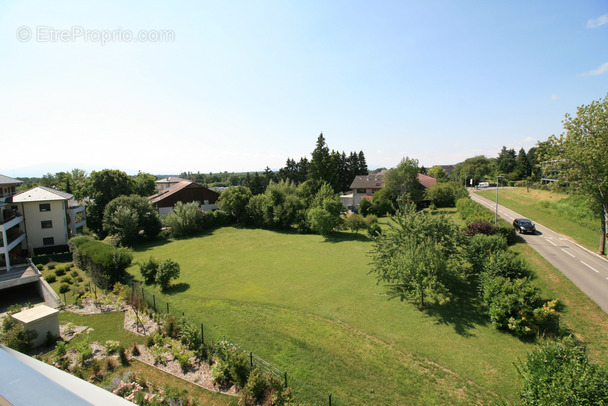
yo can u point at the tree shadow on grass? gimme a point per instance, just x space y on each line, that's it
338 237
464 311
177 288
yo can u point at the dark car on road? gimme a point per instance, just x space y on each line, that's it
524 226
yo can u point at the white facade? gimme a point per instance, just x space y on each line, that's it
46 223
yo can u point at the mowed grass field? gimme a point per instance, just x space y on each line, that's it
309 306
557 211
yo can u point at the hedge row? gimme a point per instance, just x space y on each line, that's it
104 263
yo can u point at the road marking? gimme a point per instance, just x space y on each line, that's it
551 242
568 253
589 266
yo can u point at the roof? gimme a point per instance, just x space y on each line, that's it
27 381
426 181
375 180
6 180
184 184
35 313
41 194
170 179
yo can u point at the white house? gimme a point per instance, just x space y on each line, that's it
51 217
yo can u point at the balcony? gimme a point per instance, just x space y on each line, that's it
9 215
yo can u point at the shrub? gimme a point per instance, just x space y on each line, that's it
122 354
148 270
135 350
480 227
185 219
508 232
50 278
355 222
110 364
104 263
51 265
64 287
481 246
256 389
232 366
59 271
15 336
516 305
74 273
445 194
471 211
60 349
66 279
112 346
40 267
364 207
171 327
374 230
167 270
507 264
559 373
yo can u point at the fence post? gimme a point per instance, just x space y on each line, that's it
202 334
251 359
154 301
167 307
285 379
330 399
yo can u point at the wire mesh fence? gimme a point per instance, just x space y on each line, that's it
304 393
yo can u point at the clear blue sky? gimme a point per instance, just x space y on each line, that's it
245 85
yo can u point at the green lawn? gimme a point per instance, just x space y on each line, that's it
309 306
557 211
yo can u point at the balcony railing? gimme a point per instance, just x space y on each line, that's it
9 215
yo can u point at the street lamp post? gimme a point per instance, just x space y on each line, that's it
496 212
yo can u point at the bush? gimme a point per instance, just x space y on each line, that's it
559 373
122 354
40 267
167 270
480 227
232 366
66 279
481 246
50 278
364 207
51 265
507 264
59 271
15 336
355 222
516 305
374 230
148 270
471 211
104 263
256 389
64 287
74 273
508 232
60 349
445 194
185 219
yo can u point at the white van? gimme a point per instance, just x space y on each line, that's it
484 184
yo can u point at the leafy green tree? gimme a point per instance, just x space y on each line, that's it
476 168
364 207
279 207
403 180
103 187
417 256
325 213
128 215
185 219
167 271
560 373
445 194
437 172
234 201
149 269
144 184
582 152
383 202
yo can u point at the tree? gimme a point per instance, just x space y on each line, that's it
582 151
103 187
127 215
322 167
417 255
522 165
355 222
144 184
437 172
167 271
234 201
185 219
403 180
364 206
445 194
476 168
325 211
506 160
560 373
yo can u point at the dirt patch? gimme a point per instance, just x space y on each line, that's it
109 304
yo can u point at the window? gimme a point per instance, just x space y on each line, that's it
45 206
360 190
46 224
48 241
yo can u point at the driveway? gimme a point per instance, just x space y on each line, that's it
584 268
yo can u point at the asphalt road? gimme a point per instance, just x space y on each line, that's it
586 269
